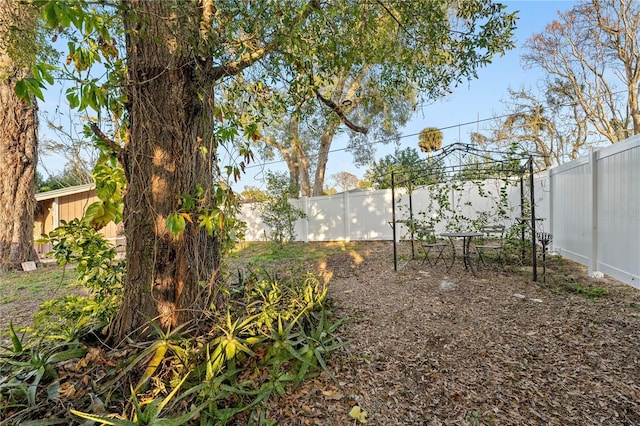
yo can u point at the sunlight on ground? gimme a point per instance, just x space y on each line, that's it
357 259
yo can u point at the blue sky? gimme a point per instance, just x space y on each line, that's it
478 99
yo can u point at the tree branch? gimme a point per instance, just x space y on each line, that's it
104 138
248 59
340 113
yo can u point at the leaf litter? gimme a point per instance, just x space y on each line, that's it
431 347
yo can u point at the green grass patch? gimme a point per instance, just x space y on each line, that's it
41 282
270 254
589 292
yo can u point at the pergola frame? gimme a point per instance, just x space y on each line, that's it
506 166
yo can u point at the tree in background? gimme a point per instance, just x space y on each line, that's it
73 146
345 181
277 212
253 194
592 60
18 134
408 168
64 179
537 126
431 45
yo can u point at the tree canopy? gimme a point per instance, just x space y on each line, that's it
408 168
365 77
591 56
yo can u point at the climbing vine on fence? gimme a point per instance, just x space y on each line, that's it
453 205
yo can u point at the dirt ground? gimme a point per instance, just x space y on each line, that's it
427 347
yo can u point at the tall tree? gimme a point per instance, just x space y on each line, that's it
430 140
18 135
345 180
548 128
592 52
432 47
178 54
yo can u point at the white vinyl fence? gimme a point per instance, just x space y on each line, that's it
594 208
367 214
591 207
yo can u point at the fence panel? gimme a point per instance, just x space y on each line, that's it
595 210
572 216
369 215
618 212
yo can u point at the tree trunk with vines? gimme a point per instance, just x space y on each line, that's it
170 279
18 157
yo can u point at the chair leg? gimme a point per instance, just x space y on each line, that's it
439 256
453 257
426 255
480 257
427 258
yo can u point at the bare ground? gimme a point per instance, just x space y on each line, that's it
427 347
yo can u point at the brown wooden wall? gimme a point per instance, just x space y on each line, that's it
70 207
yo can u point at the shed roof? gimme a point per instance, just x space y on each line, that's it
64 191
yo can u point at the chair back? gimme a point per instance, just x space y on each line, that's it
493 233
427 233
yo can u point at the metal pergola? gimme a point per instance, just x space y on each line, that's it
511 166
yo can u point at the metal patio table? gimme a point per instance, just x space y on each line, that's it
466 244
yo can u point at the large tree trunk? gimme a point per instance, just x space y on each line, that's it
18 160
169 127
300 166
323 157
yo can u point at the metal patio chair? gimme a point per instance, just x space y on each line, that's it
430 242
492 242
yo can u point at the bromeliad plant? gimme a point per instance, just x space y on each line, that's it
28 373
276 333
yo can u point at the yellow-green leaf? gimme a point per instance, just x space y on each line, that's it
358 414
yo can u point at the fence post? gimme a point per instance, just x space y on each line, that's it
593 165
551 206
346 213
532 198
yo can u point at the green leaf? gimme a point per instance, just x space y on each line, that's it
106 190
176 223
15 340
72 98
99 214
22 91
67 355
206 221
34 87
42 70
